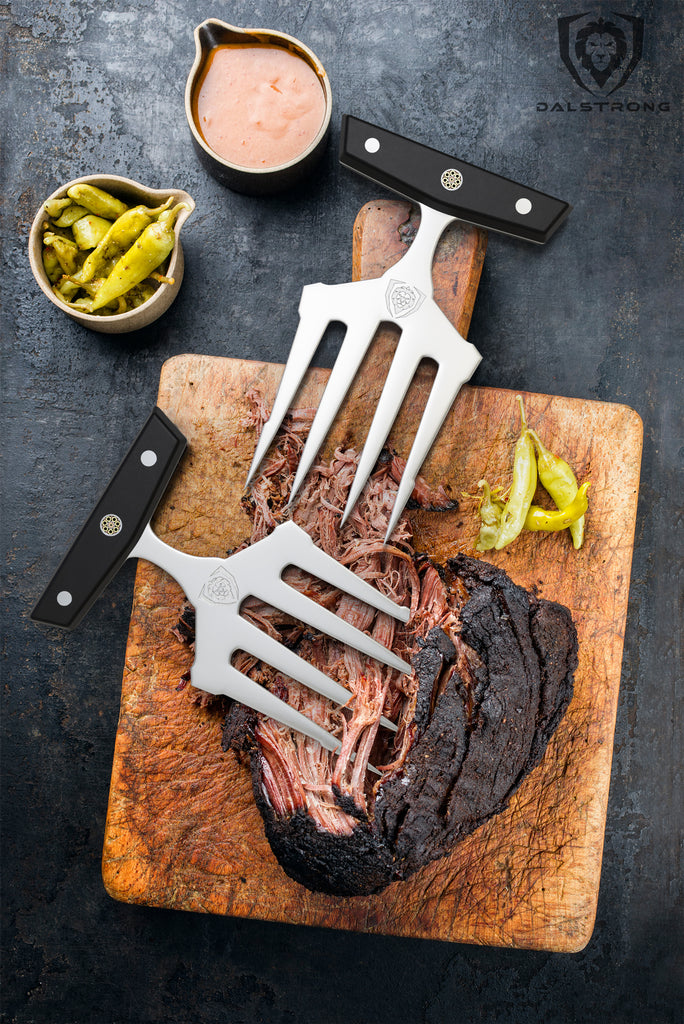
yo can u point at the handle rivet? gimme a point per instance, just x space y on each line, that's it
64 598
148 458
523 206
371 145
451 179
111 525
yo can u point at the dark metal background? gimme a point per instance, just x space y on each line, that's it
90 87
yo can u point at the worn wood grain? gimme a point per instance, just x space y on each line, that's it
182 830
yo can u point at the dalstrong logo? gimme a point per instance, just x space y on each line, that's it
221 587
600 53
402 299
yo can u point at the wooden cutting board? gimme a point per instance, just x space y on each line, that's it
182 829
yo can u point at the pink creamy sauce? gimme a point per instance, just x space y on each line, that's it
258 106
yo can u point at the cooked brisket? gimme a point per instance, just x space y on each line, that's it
492 676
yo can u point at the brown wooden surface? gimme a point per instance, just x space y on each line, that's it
182 830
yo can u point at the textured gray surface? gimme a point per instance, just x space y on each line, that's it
596 314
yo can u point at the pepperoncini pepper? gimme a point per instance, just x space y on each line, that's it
89 230
523 486
70 215
561 483
501 523
55 207
97 201
148 251
119 238
541 519
490 514
51 264
64 249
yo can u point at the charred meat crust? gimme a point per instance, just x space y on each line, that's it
354 865
238 728
409 805
553 638
472 749
470 760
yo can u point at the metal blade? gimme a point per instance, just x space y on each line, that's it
304 553
457 363
400 374
354 346
302 607
274 653
213 673
226 679
265 647
314 319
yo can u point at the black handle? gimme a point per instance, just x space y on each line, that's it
115 524
436 179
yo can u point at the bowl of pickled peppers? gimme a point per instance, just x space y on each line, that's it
106 250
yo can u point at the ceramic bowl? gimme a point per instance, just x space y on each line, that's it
253 181
131 193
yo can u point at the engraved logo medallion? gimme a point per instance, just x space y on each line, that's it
402 299
221 588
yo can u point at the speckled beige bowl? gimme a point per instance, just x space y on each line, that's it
132 193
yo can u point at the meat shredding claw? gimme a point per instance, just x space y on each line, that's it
119 528
446 190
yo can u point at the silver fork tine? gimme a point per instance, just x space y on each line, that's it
228 680
354 346
314 319
440 401
456 363
434 338
284 659
250 638
400 374
325 567
302 607
211 675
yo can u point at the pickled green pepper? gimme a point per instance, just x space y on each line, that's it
560 481
541 519
88 231
70 215
147 253
523 486
55 207
65 250
51 264
490 514
119 238
97 201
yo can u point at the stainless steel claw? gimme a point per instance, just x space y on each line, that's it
216 587
403 296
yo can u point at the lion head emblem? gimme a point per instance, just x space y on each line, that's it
600 53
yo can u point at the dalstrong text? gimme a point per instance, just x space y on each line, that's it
603 106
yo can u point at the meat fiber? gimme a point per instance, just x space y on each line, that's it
492 676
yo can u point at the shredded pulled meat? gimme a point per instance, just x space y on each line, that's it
374 689
476 643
